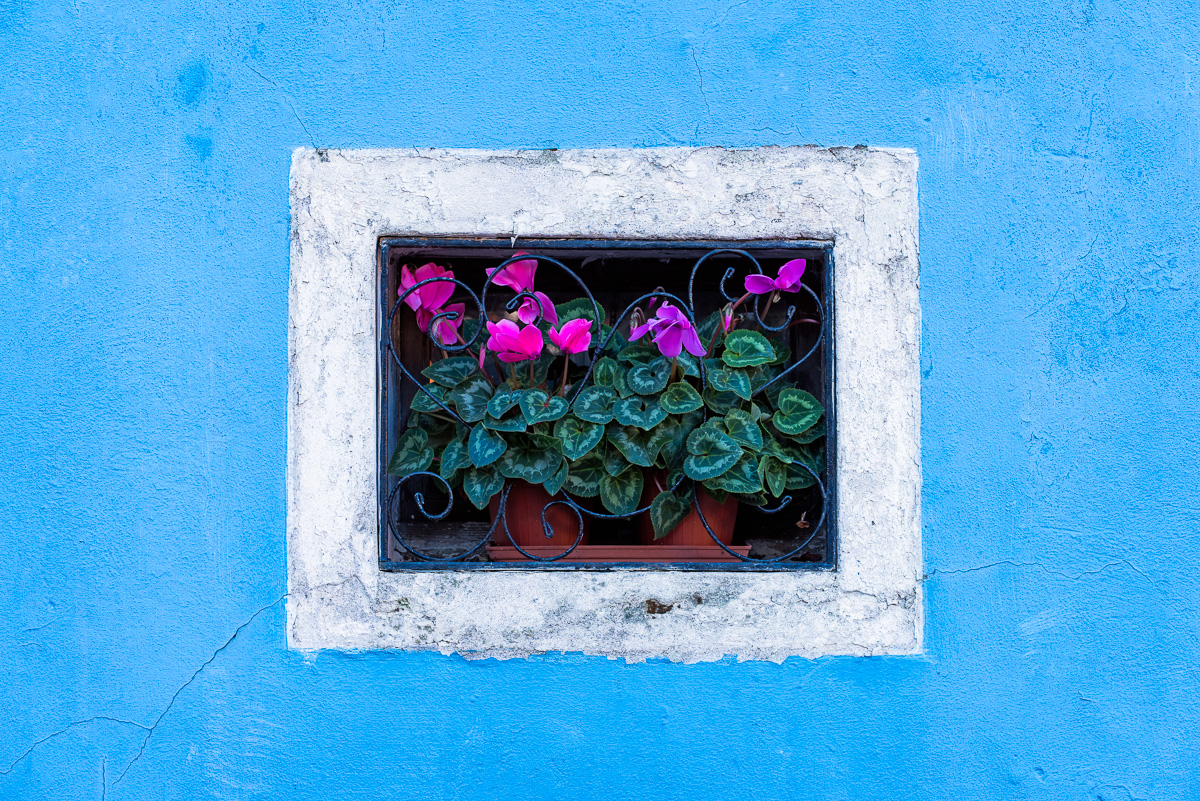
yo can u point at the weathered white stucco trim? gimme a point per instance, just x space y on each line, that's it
864 200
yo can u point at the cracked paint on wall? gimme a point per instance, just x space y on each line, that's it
145 375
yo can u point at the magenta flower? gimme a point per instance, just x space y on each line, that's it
672 331
518 277
430 298
788 279
575 336
513 344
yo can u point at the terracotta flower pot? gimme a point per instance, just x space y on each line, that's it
523 516
690 531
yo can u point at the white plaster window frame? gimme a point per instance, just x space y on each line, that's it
863 200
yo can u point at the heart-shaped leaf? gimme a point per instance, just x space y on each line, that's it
412 454
745 348
539 407
743 430
621 494
481 484
513 420
604 371
621 382
574 310
594 404
724 379
742 478
452 371
422 402
645 413
811 434
771 447
531 457
667 511
503 400
577 437
710 453
720 402
670 440
783 353
484 447
638 446
681 398
615 462
688 364
583 475
761 375
774 474
798 411
454 458
647 379
806 460
555 482
470 398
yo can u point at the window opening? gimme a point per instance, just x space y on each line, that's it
422 526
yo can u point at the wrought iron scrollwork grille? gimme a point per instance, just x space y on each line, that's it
396 381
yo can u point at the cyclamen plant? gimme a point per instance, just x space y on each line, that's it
676 402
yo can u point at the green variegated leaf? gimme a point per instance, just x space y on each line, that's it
583 475
742 478
470 398
667 511
708 327
811 434
771 447
555 482
412 454
669 439
621 494
604 371
574 310
616 345
594 404
798 411
710 453
454 458
774 475
513 420
725 379
720 402
615 462
638 354
810 456
637 445
757 499
484 447
647 379
743 430
503 400
452 371
645 413
760 376
621 381
577 436
421 402
481 484
531 457
681 398
539 407
746 349
688 364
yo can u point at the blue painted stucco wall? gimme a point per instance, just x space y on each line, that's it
144 156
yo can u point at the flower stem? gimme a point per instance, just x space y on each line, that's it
531 373
674 370
562 390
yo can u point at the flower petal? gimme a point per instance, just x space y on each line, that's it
759 284
789 275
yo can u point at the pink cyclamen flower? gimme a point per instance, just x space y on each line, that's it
518 277
788 279
429 298
513 344
574 337
446 329
672 331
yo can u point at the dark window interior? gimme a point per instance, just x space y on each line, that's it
617 273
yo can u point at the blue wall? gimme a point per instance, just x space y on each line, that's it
143 270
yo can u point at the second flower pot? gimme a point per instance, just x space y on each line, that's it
721 518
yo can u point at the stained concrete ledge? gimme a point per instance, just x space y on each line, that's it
864 200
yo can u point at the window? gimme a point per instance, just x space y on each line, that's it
785 529
357 215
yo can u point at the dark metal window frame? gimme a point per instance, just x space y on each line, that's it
386 411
